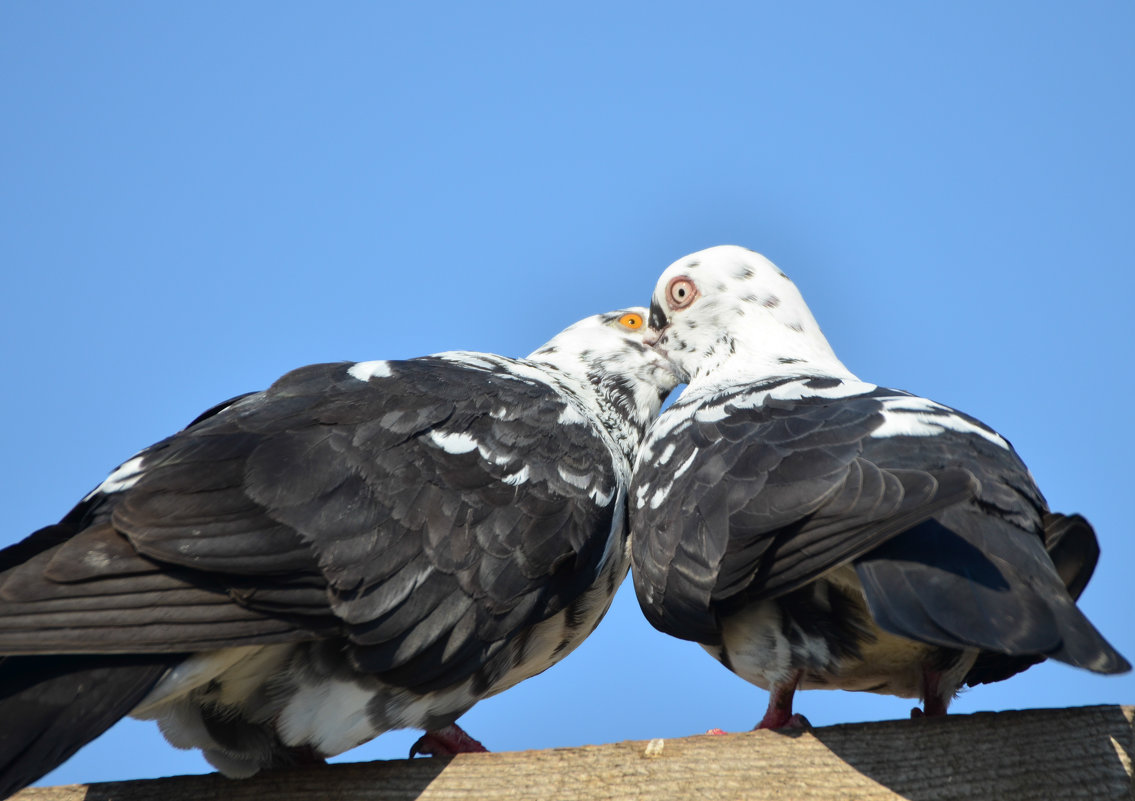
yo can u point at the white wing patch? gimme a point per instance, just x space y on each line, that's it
571 416
921 417
480 361
575 479
452 442
601 498
686 465
711 414
364 371
123 478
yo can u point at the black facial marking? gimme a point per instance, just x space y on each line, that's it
822 383
657 316
795 326
788 360
771 302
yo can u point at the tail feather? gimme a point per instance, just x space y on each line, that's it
51 706
968 580
1071 545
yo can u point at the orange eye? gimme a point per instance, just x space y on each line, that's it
680 293
632 321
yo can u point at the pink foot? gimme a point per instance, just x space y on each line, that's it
785 721
446 742
933 702
779 714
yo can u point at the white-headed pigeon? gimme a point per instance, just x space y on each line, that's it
812 530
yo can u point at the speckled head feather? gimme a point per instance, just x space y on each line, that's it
628 377
738 314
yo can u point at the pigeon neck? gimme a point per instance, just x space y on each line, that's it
748 364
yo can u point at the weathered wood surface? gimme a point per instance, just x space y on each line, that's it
1082 753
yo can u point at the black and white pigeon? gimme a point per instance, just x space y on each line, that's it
360 547
812 530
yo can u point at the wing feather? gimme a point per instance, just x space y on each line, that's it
779 493
424 516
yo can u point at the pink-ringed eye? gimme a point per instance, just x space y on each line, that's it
680 293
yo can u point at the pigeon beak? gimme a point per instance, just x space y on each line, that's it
657 324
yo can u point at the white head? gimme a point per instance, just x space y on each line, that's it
610 355
728 308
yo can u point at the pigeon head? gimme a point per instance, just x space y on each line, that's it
729 308
611 355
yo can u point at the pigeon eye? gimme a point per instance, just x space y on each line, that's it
681 293
632 321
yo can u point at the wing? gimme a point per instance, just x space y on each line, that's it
427 512
756 493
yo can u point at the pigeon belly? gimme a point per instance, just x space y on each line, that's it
825 632
238 705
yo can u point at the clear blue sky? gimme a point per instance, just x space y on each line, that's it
195 198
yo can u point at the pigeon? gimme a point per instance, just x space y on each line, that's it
813 530
360 547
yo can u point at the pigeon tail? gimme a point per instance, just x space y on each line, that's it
54 705
968 581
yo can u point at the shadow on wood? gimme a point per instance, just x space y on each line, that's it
1034 754
1073 753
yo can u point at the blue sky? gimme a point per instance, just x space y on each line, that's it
195 199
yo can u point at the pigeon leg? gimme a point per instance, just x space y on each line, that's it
779 714
446 742
933 702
